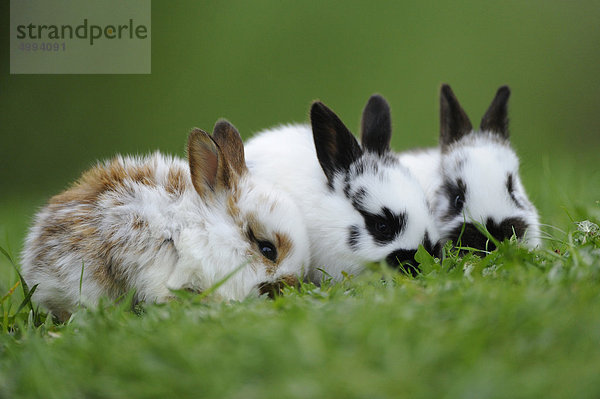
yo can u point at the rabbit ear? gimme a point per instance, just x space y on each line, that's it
376 125
496 117
336 146
454 122
230 142
208 166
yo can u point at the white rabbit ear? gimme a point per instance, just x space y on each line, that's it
376 125
208 166
336 147
496 117
454 122
230 142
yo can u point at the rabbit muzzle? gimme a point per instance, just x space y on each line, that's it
404 260
471 237
275 288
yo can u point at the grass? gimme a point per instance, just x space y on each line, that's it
515 323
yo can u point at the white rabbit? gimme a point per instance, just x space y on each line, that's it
473 176
359 204
158 223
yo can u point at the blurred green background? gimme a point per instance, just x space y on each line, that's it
261 63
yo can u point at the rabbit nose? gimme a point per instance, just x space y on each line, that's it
473 238
275 288
507 228
404 260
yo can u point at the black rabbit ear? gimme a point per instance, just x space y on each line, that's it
229 140
496 117
454 122
336 147
376 125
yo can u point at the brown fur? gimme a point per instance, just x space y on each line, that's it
290 280
138 223
276 288
284 245
176 182
107 274
230 142
74 220
209 168
143 174
82 236
71 228
234 211
102 178
63 316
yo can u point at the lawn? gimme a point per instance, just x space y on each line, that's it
515 323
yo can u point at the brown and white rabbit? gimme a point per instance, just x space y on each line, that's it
158 223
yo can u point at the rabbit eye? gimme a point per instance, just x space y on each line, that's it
459 201
268 250
382 227
456 193
511 190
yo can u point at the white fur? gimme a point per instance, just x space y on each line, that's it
185 242
425 167
286 157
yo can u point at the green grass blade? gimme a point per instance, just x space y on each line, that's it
27 300
81 281
10 292
483 230
24 286
219 283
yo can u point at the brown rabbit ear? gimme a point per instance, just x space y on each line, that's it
454 122
229 140
496 117
376 125
208 166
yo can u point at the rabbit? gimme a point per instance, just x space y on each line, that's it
473 176
360 204
156 223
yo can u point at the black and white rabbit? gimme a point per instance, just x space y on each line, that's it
359 204
158 223
473 176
